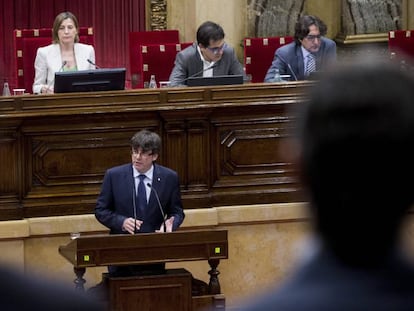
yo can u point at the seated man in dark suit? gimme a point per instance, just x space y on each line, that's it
309 52
355 153
209 56
140 197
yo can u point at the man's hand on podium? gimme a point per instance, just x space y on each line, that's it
131 224
168 224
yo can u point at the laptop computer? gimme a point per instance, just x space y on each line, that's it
215 80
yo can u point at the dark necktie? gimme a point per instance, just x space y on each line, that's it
142 195
310 65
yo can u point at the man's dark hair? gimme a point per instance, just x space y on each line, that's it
209 31
357 158
146 140
303 24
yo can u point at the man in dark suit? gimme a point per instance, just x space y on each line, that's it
309 52
137 197
210 51
355 152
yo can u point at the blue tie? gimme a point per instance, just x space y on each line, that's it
142 195
310 65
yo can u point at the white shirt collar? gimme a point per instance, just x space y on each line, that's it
206 64
148 174
305 52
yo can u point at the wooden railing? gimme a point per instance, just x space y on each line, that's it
224 142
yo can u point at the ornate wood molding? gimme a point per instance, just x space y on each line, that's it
225 143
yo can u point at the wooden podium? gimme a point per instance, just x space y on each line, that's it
103 250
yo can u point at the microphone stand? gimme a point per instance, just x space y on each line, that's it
93 64
60 69
134 193
159 205
289 66
197 73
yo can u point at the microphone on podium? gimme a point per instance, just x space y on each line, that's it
93 64
53 81
197 73
289 66
134 205
159 205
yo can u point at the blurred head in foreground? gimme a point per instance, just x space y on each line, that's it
356 158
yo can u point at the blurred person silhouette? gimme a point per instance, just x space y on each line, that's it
26 293
354 151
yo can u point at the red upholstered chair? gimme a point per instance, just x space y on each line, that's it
401 42
26 43
258 55
158 60
138 38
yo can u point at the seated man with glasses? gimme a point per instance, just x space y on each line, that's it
140 197
310 52
209 56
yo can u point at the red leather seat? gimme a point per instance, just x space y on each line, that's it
401 42
138 38
26 43
259 53
158 60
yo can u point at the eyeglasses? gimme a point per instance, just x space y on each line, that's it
141 153
218 49
313 37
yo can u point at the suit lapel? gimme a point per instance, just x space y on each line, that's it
55 57
299 58
157 184
81 58
129 183
319 58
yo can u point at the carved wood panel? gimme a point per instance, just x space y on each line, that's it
224 142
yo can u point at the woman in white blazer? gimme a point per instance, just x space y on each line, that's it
64 54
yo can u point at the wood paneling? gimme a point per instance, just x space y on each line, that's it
224 142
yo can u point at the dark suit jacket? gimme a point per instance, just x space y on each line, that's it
292 54
115 202
325 283
188 63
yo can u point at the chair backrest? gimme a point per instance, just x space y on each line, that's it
401 42
258 55
138 38
158 60
26 43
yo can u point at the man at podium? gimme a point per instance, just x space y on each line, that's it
140 197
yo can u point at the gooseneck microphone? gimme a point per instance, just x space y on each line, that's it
63 65
197 73
159 205
93 64
134 205
289 66
60 69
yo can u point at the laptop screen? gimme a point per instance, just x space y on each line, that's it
216 80
90 80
